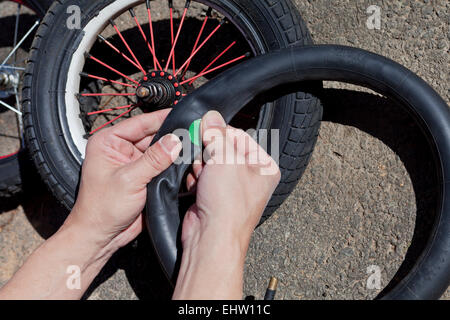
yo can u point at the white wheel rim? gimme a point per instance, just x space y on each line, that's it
91 30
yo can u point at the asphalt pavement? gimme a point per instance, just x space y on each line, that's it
364 202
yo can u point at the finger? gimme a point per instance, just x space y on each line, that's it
197 168
242 141
221 145
212 125
215 151
141 126
247 148
191 181
155 160
143 144
250 149
190 227
256 157
126 151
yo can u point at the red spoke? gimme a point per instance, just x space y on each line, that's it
118 51
155 60
110 68
216 58
106 80
199 47
111 121
172 51
195 45
149 13
109 110
171 31
106 94
216 68
126 45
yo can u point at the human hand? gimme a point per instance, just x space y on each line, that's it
116 170
107 213
232 186
231 197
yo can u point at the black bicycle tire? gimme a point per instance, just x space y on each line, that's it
301 117
430 276
10 175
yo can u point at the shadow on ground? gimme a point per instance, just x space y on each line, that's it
383 118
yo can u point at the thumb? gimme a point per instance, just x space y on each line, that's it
155 159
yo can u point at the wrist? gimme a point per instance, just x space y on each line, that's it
230 232
91 247
212 267
87 220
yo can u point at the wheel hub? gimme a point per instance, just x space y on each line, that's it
8 81
158 89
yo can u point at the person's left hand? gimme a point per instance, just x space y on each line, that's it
116 170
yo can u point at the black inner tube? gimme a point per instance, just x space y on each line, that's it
232 90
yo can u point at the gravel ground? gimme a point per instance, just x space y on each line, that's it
363 201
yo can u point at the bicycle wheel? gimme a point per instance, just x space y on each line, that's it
81 80
18 28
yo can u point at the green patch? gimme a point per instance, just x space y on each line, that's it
194 132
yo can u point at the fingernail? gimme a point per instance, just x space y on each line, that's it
214 119
171 145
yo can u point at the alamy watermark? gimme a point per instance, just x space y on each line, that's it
374 280
74 19
73 282
374 19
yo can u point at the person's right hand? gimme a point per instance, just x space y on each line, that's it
233 188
